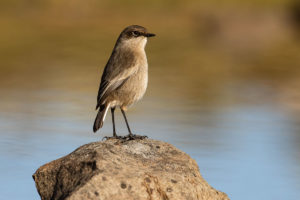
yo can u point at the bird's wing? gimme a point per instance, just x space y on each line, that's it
118 69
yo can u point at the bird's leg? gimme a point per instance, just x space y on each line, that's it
123 112
113 121
114 127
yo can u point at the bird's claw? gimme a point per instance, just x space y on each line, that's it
126 137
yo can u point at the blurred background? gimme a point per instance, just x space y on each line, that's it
224 79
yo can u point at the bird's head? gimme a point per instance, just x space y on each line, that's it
134 36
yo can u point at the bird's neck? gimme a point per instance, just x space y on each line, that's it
136 45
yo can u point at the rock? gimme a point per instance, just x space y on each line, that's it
136 169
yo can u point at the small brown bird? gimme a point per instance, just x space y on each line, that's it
125 77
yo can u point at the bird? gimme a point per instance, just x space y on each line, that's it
125 77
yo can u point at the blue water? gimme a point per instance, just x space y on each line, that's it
247 151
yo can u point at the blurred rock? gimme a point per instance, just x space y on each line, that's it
136 169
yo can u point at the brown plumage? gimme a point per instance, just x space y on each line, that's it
125 77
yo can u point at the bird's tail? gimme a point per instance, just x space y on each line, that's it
100 117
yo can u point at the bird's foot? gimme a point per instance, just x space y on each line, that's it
135 137
126 137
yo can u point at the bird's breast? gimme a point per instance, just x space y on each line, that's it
135 87
138 82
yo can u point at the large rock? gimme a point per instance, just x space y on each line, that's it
136 169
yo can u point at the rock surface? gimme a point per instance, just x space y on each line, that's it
136 169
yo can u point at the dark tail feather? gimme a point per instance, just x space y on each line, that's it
100 117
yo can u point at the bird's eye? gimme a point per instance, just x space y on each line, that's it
135 33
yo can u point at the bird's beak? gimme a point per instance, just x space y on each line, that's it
149 35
